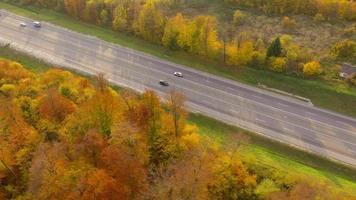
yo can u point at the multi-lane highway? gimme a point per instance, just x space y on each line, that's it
272 115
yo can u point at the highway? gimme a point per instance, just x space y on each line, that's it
272 115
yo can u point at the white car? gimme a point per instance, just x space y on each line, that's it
23 24
37 24
178 74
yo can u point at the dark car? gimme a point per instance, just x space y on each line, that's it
164 83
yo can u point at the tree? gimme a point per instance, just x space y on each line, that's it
205 40
227 33
99 185
289 24
126 163
104 17
74 7
150 22
186 35
239 18
231 54
177 110
121 19
239 53
275 48
311 68
174 27
55 107
181 182
232 180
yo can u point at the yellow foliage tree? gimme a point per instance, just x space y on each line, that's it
311 68
278 64
150 22
175 32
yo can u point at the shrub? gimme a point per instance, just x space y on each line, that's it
257 60
319 18
350 31
311 68
278 64
7 89
351 79
345 49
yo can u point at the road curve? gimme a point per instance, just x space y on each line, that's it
278 117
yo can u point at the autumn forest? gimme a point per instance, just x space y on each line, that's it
63 136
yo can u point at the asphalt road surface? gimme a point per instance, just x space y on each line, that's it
272 115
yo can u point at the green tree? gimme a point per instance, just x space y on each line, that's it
275 48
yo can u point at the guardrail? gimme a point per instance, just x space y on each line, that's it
308 101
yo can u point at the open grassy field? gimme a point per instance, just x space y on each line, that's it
334 95
263 152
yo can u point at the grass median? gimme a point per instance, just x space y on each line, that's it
333 96
261 151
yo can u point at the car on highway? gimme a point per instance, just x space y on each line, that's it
37 24
163 82
178 74
23 24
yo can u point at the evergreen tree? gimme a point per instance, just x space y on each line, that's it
275 48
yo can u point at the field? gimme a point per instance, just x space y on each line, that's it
326 92
262 152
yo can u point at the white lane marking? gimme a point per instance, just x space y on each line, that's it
310 113
258 97
343 123
206 101
231 88
282 104
288 129
260 120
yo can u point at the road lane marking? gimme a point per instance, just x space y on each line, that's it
288 129
310 113
260 120
282 104
258 97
